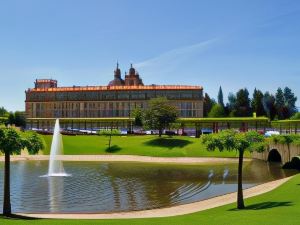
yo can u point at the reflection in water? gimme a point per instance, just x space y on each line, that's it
106 187
55 193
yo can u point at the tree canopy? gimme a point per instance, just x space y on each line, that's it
159 115
217 111
208 103
220 97
257 103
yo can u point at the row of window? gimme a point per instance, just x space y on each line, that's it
101 113
103 105
113 95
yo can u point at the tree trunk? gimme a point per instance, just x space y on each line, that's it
109 142
160 132
6 201
240 198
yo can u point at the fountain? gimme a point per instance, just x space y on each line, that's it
56 168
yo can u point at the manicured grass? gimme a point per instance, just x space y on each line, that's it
280 206
136 145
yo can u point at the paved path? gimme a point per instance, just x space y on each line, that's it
126 158
171 211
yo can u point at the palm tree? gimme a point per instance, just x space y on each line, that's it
12 142
231 140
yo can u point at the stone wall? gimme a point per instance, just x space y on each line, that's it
286 153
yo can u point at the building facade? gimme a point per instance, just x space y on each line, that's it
116 100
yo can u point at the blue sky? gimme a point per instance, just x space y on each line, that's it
234 44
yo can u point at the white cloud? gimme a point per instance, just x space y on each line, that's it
169 60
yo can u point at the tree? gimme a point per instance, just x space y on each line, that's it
20 120
159 115
257 103
220 97
137 114
231 140
217 111
296 116
12 142
109 133
3 112
279 104
11 118
269 105
289 102
231 105
242 105
208 103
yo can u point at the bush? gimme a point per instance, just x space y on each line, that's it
296 116
286 139
113 132
217 111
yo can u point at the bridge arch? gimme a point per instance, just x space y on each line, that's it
274 156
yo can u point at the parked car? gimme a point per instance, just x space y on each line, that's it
271 133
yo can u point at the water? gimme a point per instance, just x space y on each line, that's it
115 187
55 165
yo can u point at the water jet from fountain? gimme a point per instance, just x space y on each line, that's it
56 168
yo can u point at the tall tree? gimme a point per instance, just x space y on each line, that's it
137 114
12 142
11 118
257 103
232 140
269 105
159 115
231 105
208 103
220 97
20 120
243 103
289 101
3 112
279 104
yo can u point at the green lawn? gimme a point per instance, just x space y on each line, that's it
280 206
136 145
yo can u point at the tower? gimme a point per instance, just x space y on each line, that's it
117 81
133 78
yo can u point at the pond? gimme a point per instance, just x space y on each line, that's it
114 187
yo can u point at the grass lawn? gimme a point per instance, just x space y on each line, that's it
280 206
136 145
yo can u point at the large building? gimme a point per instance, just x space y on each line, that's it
47 100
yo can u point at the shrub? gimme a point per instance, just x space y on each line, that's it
113 132
296 116
286 139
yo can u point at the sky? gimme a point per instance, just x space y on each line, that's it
233 43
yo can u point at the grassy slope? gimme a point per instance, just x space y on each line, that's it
136 145
280 206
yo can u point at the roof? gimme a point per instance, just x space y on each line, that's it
45 80
116 88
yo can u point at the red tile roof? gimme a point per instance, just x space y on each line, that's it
116 88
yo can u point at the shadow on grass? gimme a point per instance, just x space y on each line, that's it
113 149
18 217
168 143
265 205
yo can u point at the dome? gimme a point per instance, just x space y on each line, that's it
116 82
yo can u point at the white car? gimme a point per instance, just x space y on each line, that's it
271 133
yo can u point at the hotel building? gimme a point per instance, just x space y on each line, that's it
77 105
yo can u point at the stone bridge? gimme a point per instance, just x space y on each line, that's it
278 153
